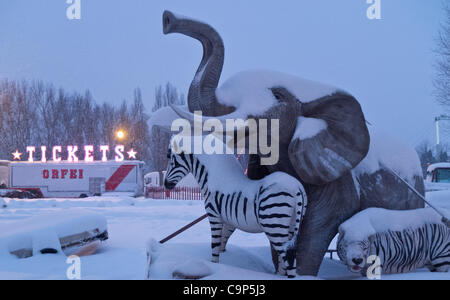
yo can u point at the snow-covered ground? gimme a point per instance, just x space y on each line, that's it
131 222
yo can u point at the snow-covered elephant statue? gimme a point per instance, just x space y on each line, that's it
324 141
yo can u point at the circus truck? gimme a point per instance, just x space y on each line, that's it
73 177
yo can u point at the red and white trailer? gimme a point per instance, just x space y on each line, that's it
69 179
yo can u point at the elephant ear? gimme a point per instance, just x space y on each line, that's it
331 138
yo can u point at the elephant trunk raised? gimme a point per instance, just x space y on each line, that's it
202 91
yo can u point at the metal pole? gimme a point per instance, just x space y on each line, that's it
445 220
182 229
437 131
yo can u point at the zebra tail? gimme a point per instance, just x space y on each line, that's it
291 246
300 209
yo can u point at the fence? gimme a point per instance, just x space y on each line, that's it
178 193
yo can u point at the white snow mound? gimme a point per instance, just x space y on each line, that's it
192 269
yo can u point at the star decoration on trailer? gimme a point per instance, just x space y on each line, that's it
75 154
132 154
16 155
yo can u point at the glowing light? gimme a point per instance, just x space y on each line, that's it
72 153
132 154
55 151
120 134
43 155
104 149
31 150
119 153
88 149
16 155
71 156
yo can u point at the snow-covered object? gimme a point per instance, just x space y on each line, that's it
247 256
249 91
152 251
432 182
49 230
87 250
151 179
42 240
274 205
433 167
402 241
436 186
192 269
163 117
68 179
308 127
374 220
392 152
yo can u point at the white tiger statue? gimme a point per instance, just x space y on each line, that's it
402 240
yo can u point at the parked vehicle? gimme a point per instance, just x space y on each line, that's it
70 179
438 177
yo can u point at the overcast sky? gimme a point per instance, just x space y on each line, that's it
118 46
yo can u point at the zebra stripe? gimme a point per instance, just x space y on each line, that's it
271 209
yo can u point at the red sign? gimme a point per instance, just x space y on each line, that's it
62 173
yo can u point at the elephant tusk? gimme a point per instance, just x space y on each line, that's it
183 114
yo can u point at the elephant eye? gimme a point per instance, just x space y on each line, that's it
277 95
283 95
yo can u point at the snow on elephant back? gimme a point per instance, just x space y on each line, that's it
323 137
373 180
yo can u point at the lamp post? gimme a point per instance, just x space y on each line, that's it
438 137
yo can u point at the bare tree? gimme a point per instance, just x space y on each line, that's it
429 154
442 66
139 129
18 118
159 143
36 113
159 138
166 95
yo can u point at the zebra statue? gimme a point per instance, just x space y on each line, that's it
402 241
274 205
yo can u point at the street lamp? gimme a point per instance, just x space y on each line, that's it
120 134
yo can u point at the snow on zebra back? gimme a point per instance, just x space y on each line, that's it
274 205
